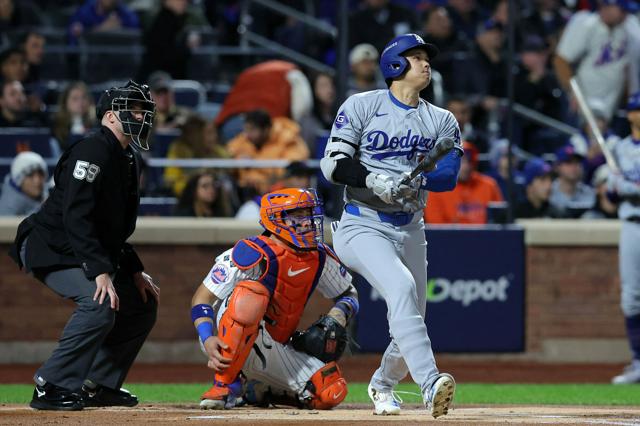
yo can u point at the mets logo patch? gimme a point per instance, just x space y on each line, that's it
220 274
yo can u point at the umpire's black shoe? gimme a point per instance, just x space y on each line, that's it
102 396
52 397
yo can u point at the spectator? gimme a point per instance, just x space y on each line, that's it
203 197
18 15
468 202
546 19
168 114
537 180
365 76
13 107
585 142
569 195
297 175
499 168
266 139
318 124
289 95
538 89
24 188
438 29
461 110
604 208
32 43
378 22
100 16
599 46
466 16
13 65
75 116
199 139
171 37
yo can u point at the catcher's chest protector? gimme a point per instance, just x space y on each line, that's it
290 277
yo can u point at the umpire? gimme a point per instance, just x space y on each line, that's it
76 245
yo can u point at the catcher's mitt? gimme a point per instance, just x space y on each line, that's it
325 339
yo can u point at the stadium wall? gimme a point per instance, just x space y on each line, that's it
572 309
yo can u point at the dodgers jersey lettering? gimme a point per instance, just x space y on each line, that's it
388 137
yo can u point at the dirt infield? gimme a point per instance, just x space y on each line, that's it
347 415
360 368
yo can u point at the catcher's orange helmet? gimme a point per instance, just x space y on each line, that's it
276 208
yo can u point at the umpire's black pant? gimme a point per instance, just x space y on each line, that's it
97 343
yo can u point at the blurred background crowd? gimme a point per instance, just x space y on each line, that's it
247 91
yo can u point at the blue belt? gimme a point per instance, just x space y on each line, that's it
396 219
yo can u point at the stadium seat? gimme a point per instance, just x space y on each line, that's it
189 93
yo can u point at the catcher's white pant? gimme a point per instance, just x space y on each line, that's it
393 260
276 365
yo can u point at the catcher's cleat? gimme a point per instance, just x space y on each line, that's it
440 396
221 396
384 403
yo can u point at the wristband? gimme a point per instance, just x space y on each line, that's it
205 330
202 311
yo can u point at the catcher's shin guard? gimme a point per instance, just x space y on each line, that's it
327 387
238 327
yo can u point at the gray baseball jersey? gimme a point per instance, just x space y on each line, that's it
602 55
627 182
388 137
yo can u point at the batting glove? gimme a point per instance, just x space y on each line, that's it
383 186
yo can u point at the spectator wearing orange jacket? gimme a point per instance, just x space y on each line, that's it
266 139
467 203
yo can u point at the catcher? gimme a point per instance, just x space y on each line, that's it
248 307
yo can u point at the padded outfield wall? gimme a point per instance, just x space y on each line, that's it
564 307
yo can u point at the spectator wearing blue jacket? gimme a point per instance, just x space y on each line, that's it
101 15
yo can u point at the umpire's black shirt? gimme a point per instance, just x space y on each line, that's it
90 213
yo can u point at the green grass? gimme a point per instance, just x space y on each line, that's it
467 393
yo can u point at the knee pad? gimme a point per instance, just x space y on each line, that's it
238 326
327 387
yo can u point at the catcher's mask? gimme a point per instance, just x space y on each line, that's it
295 215
127 102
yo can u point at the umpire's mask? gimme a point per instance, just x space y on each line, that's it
127 102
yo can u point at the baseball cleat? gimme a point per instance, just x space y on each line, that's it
440 396
631 374
384 403
221 396
52 397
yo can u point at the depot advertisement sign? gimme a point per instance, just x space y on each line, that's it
475 293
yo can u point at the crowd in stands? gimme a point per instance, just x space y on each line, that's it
57 56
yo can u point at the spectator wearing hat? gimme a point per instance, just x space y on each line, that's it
468 202
605 207
537 180
499 168
168 114
365 74
600 46
24 188
569 195
538 89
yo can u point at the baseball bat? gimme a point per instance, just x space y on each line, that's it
429 161
591 121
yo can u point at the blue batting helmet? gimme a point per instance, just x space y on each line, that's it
392 63
633 102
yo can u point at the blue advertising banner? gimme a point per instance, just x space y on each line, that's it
475 293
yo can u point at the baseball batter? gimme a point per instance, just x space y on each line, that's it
378 137
259 289
626 185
